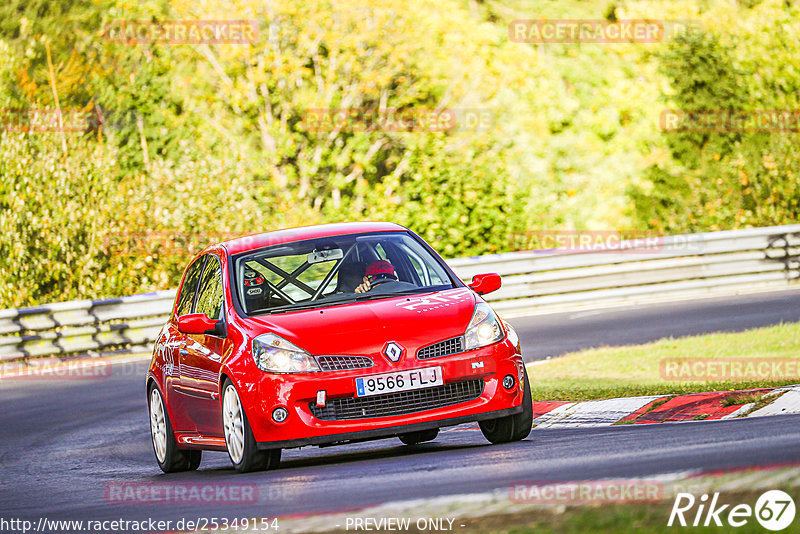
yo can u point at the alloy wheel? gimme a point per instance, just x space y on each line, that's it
233 420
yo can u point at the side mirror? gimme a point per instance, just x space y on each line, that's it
485 283
199 323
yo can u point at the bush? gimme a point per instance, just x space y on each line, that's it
726 179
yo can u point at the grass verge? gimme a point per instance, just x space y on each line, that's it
637 369
618 518
612 518
742 399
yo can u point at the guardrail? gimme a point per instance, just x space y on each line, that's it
126 324
674 266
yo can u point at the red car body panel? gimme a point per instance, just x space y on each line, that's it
189 368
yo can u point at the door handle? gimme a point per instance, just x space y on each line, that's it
183 352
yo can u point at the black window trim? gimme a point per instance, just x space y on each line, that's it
204 259
233 259
224 317
201 259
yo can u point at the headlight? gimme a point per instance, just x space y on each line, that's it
484 328
511 333
274 354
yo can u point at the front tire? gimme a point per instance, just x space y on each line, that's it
242 448
170 458
412 438
511 427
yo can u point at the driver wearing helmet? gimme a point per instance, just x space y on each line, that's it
380 274
255 290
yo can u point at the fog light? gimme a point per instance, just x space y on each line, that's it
279 415
509 381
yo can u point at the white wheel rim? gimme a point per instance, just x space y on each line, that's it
233 421
158 425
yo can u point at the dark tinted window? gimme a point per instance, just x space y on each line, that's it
209 296
327 271
189 287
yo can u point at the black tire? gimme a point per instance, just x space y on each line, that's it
412 438
252 459
511 427
523 421
175 459
195 457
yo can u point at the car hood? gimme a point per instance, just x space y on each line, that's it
363 328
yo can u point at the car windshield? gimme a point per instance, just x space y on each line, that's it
321 272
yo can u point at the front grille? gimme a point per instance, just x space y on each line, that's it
340 363
404 402
443 348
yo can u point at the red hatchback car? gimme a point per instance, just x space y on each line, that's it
329 335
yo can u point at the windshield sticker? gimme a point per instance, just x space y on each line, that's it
434 302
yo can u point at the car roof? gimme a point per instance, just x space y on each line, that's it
278 237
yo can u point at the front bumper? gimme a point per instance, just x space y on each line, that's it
378 433
296 392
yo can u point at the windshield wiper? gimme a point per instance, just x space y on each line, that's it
359 298
307 306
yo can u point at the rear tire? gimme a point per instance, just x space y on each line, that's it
511 427
242 448
412 438
194 458
170 458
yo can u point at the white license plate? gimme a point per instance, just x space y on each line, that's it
399 381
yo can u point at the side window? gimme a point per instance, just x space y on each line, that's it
209 293
189 287
420 268
427 275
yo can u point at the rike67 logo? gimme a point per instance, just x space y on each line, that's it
774 510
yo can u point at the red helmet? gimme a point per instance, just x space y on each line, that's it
253 283
380 267
252 278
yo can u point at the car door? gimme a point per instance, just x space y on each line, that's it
201 356
174 342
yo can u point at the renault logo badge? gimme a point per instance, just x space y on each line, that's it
393 351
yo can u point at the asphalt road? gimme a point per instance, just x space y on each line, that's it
80 449
556 334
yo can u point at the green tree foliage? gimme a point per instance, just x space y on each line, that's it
703 79
190 144
52 223
728 177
